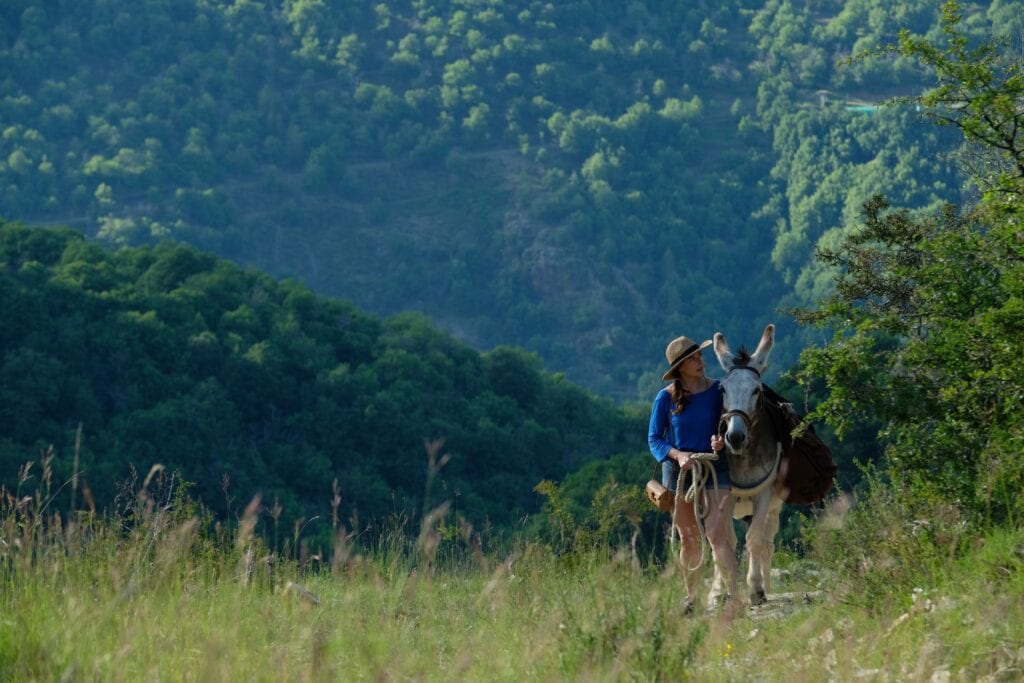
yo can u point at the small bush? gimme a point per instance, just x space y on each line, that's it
883 543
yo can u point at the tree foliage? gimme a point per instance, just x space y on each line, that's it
927 309
572 178
979 92
248 385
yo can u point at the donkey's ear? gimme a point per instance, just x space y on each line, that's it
722 351
759 359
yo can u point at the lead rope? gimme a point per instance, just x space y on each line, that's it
697 495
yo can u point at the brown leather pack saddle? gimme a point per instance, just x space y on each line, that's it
807 469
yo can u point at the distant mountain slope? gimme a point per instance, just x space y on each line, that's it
246 385
585 179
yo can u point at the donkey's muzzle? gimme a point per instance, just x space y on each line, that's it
733 436
735 440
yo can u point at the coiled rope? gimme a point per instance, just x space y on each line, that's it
696 494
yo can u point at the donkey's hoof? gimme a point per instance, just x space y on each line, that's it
758 598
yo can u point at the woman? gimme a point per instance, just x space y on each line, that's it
684 421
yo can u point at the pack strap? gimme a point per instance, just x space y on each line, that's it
768 480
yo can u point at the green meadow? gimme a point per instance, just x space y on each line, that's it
158 591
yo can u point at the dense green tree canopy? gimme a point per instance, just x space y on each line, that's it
247 385
582 179
927 310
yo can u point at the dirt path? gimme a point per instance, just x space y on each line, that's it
781 605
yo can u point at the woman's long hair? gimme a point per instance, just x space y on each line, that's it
680 396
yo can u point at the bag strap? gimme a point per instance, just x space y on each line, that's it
773 395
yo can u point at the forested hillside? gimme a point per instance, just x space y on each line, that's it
375 550
584 179
243 385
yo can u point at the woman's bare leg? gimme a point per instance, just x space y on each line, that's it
689 547
722 539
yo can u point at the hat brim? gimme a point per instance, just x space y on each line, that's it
679 361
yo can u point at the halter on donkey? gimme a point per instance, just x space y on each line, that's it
753 449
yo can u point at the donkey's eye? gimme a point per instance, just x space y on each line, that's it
757 391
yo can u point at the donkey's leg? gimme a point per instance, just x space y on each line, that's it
720 586
730 531
771 531
759 546
722 539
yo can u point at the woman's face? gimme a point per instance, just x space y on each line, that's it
692 367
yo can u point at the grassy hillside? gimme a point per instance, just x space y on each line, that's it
84 599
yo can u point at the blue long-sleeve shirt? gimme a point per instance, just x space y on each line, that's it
691 429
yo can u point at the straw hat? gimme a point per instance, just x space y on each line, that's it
678 350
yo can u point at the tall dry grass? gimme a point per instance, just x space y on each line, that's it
157 590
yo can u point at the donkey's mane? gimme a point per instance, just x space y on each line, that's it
742 357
